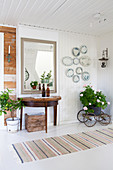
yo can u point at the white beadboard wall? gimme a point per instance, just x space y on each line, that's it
69 91
104 76
1 73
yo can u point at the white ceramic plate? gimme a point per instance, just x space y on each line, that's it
67 61
85 61
79 70
85 76
70 72
75 61
76 51
76 78
83 49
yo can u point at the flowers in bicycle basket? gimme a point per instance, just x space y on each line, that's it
90 98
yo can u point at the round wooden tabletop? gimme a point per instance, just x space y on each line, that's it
41 99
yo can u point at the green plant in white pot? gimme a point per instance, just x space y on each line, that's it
7 104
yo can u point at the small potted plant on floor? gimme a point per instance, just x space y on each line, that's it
34 84
93 101
7 104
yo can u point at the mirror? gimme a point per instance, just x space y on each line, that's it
38 64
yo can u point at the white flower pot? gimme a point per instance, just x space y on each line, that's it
12 125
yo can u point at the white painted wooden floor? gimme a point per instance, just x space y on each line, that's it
100 158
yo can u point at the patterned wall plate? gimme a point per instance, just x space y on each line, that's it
85 76
85 61
26 75
79 70
76 78
75 61
70 72
76 51
67 61
83 49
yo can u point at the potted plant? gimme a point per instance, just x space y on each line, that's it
93 101
7 104
34 84
43 77
48 76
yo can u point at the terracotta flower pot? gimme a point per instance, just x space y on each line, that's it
34 87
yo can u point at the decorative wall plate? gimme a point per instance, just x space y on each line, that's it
67 61
75 61
85 76
70 72
76 78
85 61
79 70
26 75
76 51
83 49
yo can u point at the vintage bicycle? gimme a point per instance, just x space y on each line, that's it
90 119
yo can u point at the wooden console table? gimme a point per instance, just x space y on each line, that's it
41 102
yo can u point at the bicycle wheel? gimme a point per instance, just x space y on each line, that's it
89 120
80 115
98 117
104 119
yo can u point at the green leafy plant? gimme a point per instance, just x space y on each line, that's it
33 83
90 98
43 77
48 76
7 104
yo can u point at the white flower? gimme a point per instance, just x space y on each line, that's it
32 84
81 94
102 103
98 90
85 108
108 103
98 100
89 103
99 97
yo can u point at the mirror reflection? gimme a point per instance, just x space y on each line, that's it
38 65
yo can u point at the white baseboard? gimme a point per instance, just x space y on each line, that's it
63 123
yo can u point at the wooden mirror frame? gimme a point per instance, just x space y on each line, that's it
22 65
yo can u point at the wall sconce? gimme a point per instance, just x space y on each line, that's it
104 58
9 57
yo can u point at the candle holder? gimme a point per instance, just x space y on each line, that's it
9 57
104 58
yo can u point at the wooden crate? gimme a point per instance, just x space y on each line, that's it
34 122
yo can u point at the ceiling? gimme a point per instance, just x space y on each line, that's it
69 15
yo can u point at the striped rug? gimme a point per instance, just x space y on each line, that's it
56 146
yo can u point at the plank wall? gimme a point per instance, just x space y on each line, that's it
9 68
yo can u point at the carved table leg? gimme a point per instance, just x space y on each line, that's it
21 113
55 115
46 118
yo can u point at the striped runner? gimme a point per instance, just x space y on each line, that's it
56 146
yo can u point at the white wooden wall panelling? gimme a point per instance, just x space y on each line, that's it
2 73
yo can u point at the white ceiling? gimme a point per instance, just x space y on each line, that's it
69 15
